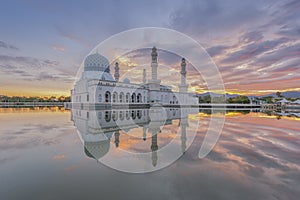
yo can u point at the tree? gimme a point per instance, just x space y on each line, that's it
278 94
239 99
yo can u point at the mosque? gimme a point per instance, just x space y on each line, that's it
97 87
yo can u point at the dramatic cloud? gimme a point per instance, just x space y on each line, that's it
255 44
252 50
7 46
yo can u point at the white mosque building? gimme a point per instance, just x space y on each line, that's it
97 87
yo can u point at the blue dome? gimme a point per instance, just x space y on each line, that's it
126 80
96 62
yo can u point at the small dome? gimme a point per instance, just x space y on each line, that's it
96 62
126 80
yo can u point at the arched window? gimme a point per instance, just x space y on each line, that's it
133 97
107 96
121 97
127 97
115 97
139 98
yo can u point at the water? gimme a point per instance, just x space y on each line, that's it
43 157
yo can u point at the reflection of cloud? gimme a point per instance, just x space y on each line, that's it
253 157
59 157
26 138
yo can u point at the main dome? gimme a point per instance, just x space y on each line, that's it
96 62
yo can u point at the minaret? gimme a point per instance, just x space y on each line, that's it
183 86
154 83
117 74
154 63
144 76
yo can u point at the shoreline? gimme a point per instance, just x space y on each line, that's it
30 104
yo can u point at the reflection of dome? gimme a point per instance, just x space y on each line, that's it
96 150
96 62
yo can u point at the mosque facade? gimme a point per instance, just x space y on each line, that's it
98 87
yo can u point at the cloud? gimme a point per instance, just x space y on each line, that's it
27 62
284 53
58 48
33 69
7 46
200 17
217 50
253 36
252 50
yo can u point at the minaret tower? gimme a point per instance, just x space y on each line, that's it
144 76
154 63
117 73
183 86
154 83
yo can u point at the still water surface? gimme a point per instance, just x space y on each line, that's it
42 156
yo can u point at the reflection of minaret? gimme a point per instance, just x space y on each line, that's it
183 86
183 125
144 133
154 148
184 114
117 73
117 138
144 76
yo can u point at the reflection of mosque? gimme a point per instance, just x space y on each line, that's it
97 87
98 128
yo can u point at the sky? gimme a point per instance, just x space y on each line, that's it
255 44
